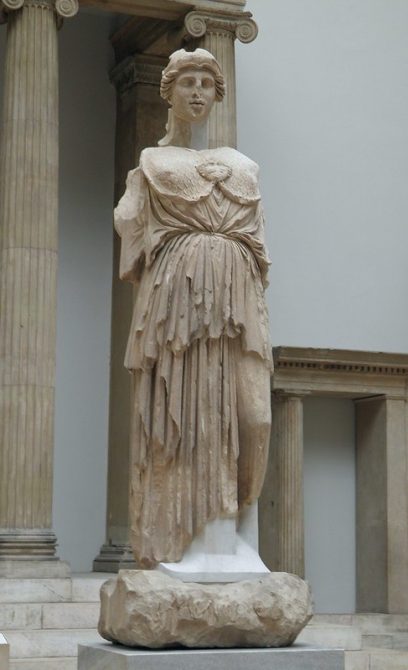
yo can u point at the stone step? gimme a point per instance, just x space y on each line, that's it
35 590
20 616
398 640
58 663
377 641
376 659
39 644
380 623
357 660
70 615
381 659
34 616
86 587
369 624
331 636
79 588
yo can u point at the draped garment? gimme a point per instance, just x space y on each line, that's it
191 225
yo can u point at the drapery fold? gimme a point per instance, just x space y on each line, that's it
201 270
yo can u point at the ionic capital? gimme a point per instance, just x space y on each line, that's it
241 25
64 9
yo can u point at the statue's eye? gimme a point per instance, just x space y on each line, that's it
186 82
207 82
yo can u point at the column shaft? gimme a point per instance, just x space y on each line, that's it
281 503
28 266
223 118
382 505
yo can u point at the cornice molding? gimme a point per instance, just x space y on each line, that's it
338 360
340 373
240 25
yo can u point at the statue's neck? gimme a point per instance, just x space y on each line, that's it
181 133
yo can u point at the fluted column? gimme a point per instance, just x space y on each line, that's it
282 539
217 33
28 267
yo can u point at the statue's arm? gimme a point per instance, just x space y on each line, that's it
128 218
258 244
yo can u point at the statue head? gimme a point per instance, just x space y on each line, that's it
191 82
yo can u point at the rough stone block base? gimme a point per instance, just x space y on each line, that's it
105 656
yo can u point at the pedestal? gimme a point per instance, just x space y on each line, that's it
298 657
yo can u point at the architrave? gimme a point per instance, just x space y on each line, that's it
338 372
170 10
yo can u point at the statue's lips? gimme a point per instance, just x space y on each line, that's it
196 104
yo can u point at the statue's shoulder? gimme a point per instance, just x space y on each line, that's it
158 157
171 171
235 158
190 175
243 183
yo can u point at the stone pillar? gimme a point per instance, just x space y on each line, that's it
28 267
217 33
281 502
382 505
140 122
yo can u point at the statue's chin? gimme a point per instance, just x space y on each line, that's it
195 116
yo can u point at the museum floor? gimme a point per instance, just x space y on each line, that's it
44 620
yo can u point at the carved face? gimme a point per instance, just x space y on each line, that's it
193 95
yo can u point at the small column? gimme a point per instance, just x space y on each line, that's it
140 122
382 504
217 33
28 267
281 502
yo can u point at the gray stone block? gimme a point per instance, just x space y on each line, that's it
105 656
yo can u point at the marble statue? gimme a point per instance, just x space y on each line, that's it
192 232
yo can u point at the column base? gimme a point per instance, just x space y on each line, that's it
27 544
30 554
34 569
114 557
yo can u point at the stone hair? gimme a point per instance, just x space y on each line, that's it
200 59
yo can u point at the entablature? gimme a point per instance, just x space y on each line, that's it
169 10
339 372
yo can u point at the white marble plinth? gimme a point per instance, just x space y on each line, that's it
105 656
212 568
222 553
